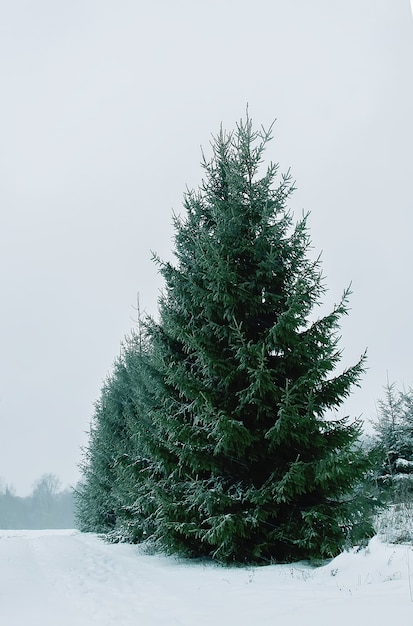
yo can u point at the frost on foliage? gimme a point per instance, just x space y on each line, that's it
394 441
404 464
213 435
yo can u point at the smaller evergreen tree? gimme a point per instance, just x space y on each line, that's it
115 495
94 494
393 442
101 501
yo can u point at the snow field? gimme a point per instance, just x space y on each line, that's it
62 578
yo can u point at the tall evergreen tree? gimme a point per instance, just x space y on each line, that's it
251 464
216 434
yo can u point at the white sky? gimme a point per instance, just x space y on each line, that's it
103 109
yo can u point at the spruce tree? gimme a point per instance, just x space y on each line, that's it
393 443
112 497
249 461
95 495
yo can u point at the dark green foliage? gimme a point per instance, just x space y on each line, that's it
231 419
252 468
116 496
114 468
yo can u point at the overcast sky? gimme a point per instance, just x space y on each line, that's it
104 106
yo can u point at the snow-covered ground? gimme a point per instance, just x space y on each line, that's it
62 578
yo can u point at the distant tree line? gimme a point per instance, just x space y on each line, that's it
48 506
